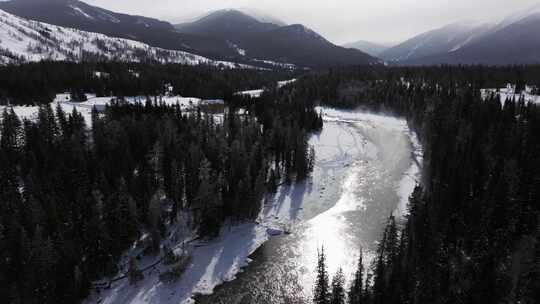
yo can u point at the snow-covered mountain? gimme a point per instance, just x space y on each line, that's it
446 39
226 35
516 43
513 40
23 40
77 14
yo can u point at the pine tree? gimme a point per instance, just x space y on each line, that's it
321 293
155 220
62 120
338 289
272 181
134 274
356 290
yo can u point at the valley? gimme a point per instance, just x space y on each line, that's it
184 152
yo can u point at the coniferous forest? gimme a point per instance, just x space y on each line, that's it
74 197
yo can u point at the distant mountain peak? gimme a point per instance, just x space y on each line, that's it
231 13
262 16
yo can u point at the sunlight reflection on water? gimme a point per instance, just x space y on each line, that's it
360 162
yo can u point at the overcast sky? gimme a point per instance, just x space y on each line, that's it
338 20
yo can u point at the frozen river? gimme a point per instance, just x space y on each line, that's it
366 167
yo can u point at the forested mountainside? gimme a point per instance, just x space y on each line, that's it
79 15
23 40
472 234
74 198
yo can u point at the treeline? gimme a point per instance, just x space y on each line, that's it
73 198
349 87
38 83
472 232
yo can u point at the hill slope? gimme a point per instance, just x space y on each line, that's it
442 40
79 15
22 40
295 44
516 43
514 40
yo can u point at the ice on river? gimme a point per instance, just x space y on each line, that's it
366 167
380 175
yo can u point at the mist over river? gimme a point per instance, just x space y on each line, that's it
366 167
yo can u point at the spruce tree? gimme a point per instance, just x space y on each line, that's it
356 290
338 289
134 274
321 293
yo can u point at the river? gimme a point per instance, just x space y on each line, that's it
366 167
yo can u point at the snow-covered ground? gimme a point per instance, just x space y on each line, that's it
509 93
251 93
411 177
281 84
23 40
257 93
85 108
213 263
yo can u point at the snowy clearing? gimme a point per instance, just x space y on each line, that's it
509 93
258 93
85 107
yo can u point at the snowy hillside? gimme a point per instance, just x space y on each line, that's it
446 39
513 40
23 40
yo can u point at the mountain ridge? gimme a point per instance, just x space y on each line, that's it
24 40
513 40
227 35
294 43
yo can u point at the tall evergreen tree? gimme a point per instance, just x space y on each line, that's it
356 290
321 293
338 288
